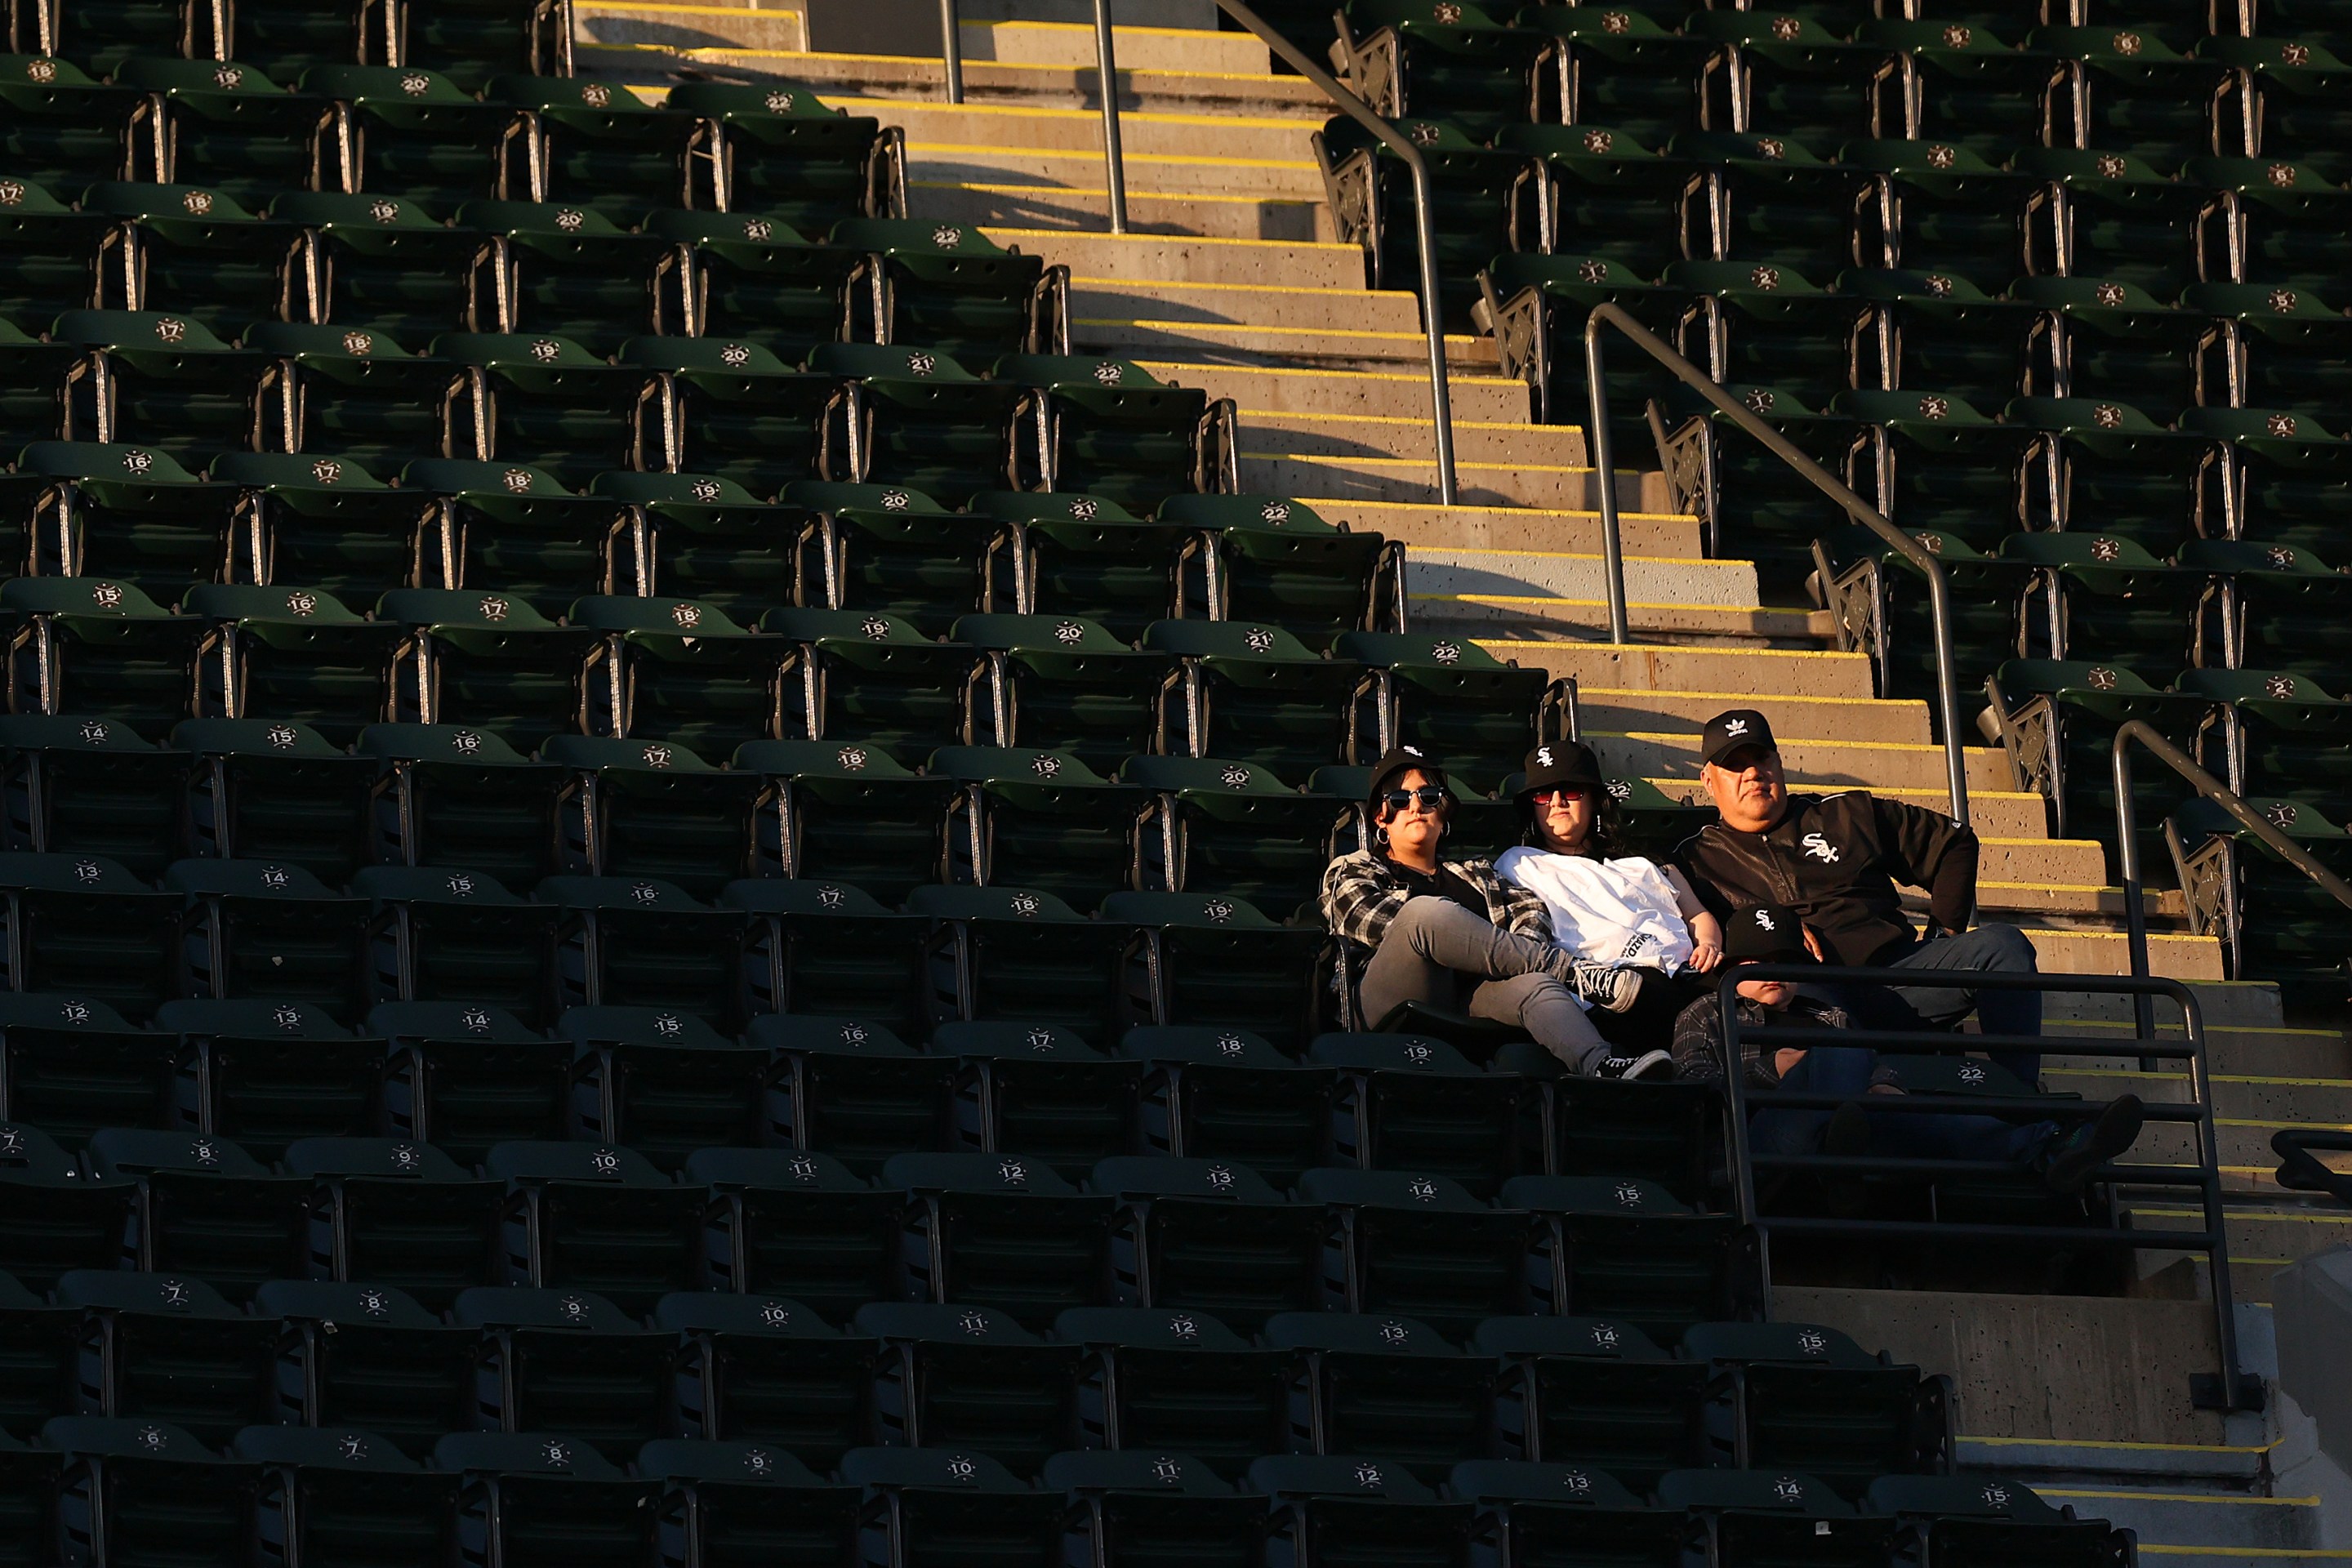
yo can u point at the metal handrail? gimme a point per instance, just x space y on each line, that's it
1597 442
2221 794
1107 76
1424 224
2233 1390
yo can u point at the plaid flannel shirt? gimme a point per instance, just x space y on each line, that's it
1361 893
1698 1037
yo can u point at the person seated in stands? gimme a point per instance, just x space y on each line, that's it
1774 933
1451 933
1837 860
1622 910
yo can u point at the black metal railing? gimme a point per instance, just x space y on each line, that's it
2231 1389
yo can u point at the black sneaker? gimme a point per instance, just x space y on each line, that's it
2071 1159
1653 1067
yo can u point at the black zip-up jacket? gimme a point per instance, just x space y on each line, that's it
1836 861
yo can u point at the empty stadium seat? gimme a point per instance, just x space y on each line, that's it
1584 1391
267 790
1168 1378
665 1082
64 1220
1227 1094
399 1214
1627 1251
549 1496
1001 1231
973 1380
170 1349
1809 1399
1412 1103
1373 1382
586 1217
566 1362
268 1072
765 1370
1204 1236
439 935
369 1356
651 807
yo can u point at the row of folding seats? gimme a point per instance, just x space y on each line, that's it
472 40
410 135
539 1498
766 1367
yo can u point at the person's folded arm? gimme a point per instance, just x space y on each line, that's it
1357 902
1932 851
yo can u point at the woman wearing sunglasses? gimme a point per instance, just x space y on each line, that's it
1641 918
1452 934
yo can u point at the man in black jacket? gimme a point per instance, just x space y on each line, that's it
1836 861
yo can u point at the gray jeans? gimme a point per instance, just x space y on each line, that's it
1434 947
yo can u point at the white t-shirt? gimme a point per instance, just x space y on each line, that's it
1619 912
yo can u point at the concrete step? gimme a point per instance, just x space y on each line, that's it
2254 1050
1276 310
1475 440
2002 814
1072 130
629 43
1587 620
1629 709
2049 891
2239 1006
1386 394
1027 205
600 25
1138 49
2262 1240
2066 1461
1755 673
1558 487
1145 335
2205 1526
1515 527
1098 257
1812 761
1651 580
933 161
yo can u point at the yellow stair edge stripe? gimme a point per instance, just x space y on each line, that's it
1189 198
2291 1215
1787 741
1511 512
1453 378
2277 1126
1936 790
1425 551
1584 690
1420 422
2120 1446
2232 1497
1072 67
1182 284
2331 1553
1557 599
2229 1028
993 230
1090 116
1490 644
1215 163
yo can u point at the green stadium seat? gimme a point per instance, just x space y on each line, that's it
741 414
971 1380
766 1369
1227 827
464 1075
71 1067
59 127
418 136
1450 696
2133 93
2297 82
206 1208
438 934
568 271
2284 609
59 1219
2284 470
260 928
1002 1232
1565 1513
1110 429
387 263
1937 332
1344 1509
1584 1391
742 1503
641 942
2109 598
168 384
297 654
941 1504
130 514
1973 1520
919 419
2119 220
1140 1506
664 1082
1629 1251
1206 1235
103 35
2119 467
2057 718
2287 214
1038 1090
267 1073
1619 68
552 405
171 1349
1971 89
1410 1103
596 1217
1606 196
1405 58
833 809
448 795
1942 466
323 522
346 1490
1537 307
852 1091
828 949
49 262
865 676
1006 952
1771 326
549 1497
90 787
2106 339
1420 1247
709 539
1753 504
39 1371
778 149
1211 961
490 664
1160 1379
358 393
1036 819
685 671
82 926
33 402
757 272
2276 924
286 37
369 1356
1810 1399
1269 557
950 288
1479 195
2283 734
1772 200
1227 1094
1373 1382
1759 1516
1086 555
1955 216
149 1488
787 1216
393 1214
899 551
1253 692
513 529
653 809
472 42
600 145
225 124
1873 588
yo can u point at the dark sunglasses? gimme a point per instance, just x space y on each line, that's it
1566 792
1429 797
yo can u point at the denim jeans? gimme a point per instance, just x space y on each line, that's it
1436 952
1999 948
1845 1072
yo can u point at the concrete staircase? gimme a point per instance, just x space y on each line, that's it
1231 283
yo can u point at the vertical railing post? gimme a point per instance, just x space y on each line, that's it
1600 449
952 50
1114 157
